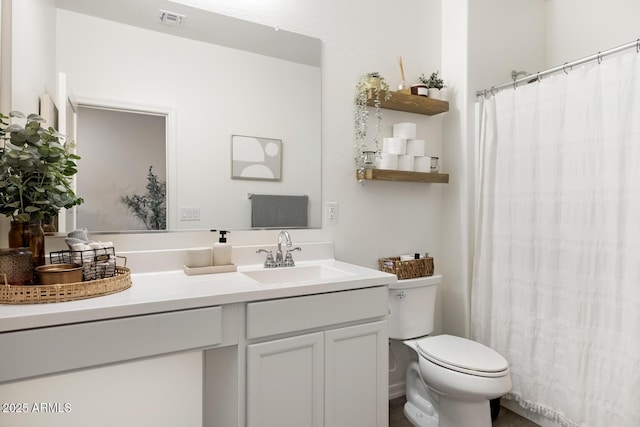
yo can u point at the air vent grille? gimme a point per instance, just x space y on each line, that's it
171 18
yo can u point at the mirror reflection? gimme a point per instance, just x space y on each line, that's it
203 82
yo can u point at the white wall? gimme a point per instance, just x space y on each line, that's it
33 59
576 29
30 70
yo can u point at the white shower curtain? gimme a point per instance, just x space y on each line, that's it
556 282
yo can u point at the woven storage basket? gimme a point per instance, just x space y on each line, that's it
407 269
96 263
27 294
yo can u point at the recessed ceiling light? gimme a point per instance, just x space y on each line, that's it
171 18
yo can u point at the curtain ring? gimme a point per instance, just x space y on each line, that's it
638 46
564 68
493 92
515 85
599 58
538 76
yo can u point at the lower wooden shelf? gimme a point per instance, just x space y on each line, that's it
395 175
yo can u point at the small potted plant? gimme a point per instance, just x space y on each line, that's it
370 84
435 85
36 171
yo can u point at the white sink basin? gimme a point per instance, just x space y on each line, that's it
301 274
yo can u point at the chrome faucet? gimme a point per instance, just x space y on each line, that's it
282 259
279 256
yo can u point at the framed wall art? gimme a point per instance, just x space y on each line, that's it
256 158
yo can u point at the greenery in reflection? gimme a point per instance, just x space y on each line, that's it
151 207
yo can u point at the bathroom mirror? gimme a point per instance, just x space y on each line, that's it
211 77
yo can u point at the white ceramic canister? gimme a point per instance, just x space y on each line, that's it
198 257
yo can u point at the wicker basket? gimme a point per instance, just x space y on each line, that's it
96 263
36 294
407 269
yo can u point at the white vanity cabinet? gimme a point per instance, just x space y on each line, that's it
327 365
225 350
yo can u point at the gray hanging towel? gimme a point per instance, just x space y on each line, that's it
268 210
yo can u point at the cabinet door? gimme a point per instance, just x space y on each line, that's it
356 376
285 382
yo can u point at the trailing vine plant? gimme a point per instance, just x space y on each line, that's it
368 83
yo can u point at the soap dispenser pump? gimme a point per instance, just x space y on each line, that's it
222 250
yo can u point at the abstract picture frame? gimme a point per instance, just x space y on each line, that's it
256 158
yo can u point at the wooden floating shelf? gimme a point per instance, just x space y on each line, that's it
394 175
410 103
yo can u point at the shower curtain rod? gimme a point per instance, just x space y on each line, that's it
567 65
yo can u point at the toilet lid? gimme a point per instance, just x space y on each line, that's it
463 355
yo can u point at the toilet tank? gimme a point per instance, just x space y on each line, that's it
412 305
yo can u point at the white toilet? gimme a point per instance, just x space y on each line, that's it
454 378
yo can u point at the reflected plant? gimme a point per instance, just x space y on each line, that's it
151 207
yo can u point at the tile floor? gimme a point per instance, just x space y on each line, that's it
506 418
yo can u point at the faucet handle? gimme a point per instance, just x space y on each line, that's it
268 262
288 260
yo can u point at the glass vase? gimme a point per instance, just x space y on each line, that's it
16 266
28 235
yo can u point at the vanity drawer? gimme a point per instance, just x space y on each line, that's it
43 351
287 315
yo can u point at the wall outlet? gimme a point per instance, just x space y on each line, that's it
332 212
191 213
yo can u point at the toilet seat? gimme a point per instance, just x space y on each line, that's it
463 355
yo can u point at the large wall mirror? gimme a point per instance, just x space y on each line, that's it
200 84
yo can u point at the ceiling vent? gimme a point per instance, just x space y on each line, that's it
171 18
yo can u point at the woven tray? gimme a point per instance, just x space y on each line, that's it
407 269
36 294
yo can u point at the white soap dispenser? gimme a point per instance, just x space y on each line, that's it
222 250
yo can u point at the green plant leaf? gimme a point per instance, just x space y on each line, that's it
31 209
14 128
35 117
18 138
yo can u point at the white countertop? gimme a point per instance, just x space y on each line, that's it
174 290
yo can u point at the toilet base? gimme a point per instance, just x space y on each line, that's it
454 413
419 418
421 408
427 408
